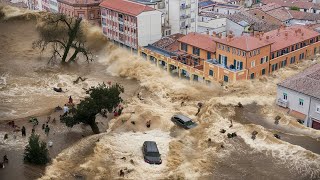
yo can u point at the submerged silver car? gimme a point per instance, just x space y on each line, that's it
183 121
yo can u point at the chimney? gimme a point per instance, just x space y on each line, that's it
286 35
302 34
230 32
261 33
267 38
229 37
208 33
242 33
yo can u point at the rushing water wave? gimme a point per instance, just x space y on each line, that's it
200 153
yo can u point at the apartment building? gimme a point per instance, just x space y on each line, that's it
183 16
291 44
234 58
301 95
85 9
130 24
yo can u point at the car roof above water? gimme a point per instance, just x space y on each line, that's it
183 117
151 146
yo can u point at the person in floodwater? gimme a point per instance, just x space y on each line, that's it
65 110
5 159
46 130
70 100
199 108
148 123
23 131
57 89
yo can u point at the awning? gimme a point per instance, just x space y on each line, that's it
297 115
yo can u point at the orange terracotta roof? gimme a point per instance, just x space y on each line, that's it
126 7
244 42
201 41
280 40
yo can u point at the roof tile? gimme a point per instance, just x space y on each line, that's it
127 7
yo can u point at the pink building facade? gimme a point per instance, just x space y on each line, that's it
120 27
86 9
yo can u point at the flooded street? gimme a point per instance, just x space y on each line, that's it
205 152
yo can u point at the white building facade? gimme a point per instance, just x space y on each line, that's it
183 16
301 95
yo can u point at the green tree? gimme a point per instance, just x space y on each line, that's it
36 152
65 35
295 8
100 97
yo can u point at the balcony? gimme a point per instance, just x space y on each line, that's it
184 16
216 63
183 6
282 102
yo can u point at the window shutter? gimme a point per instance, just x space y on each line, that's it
219 59
241 65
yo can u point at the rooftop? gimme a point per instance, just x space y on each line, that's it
80 2
305 4
306 82
289 36
202 41
205 3
269 7
125 6
169 43
280 13
257 24
244 42
147 2
304 15
212 14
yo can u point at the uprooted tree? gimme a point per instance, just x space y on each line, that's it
64 35
100 98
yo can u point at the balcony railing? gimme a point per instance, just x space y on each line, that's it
282 102
184 16
185 6
216 63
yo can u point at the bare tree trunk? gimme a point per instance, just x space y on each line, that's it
73 57
72 36
94 127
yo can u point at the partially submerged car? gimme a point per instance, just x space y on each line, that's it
183 121
151 153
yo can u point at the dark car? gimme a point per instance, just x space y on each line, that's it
183 121
151 153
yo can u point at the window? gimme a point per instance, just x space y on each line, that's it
285 96
274 67
258 51
283 63
228 48
300 102
272 56
263 71
208 55
223 60
292 60
301 56
196 51
210 72
226 78
252 76
243 53
253 63
121 27
237 64
318 109
184 47
315 51
264 59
